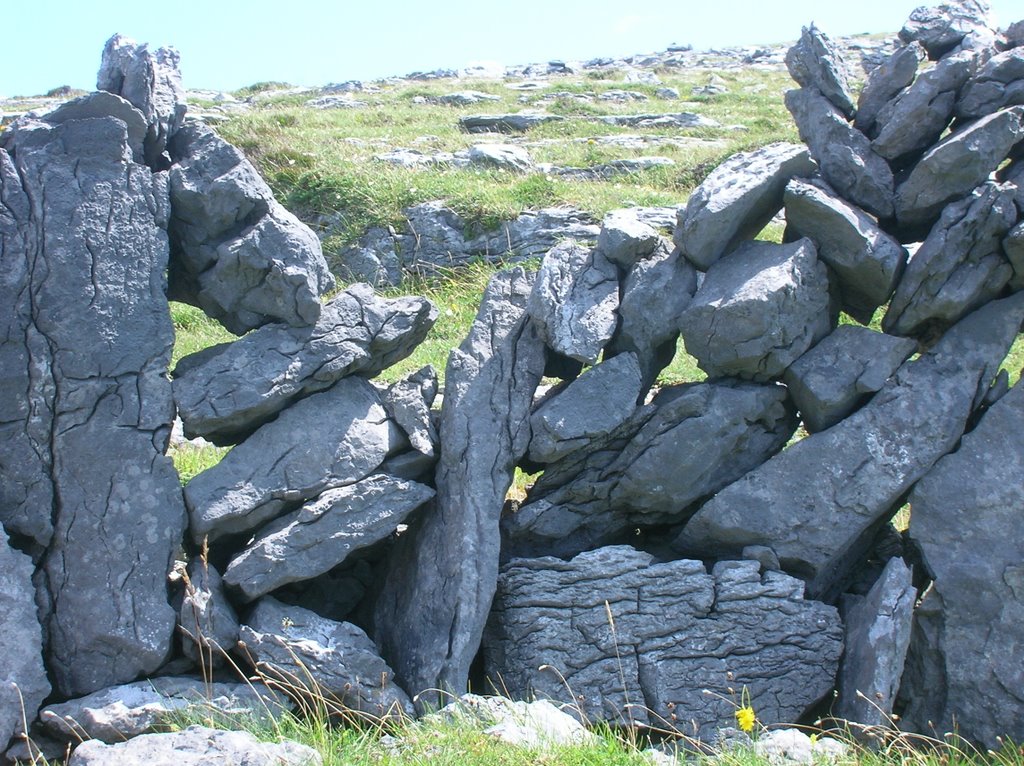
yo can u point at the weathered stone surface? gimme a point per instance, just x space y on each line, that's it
434 604
943 27
335 659
625 239
866 262
150 81
206 620
519 122
122 712
956 165
591 406
875 647
691 441
408 402
537 724
842 372
502 156
23 681
684 120
195 746
815 62
758 310
959 266
737 200
855 473
103 104
654 638
94 397
916 118
292 459
574 301
320 535
842 152
237 254
226 393
795 747
884 84
967 660
1013 248
998 84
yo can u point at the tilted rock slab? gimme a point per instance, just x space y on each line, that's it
519 122
227 392
313 656
737 200
331 439
689 443
966 646
884 83
433 607
626 239
758 310
408 402
319 536
959 267
95 397
865 261
818 503
843 153
815 62
999 83
236 253
632 640
943 27
207 621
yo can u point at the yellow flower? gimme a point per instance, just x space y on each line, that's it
745 718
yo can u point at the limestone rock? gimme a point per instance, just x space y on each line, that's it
519 122
293 458
237 254
1013 248
574 301
502 156
653 639
844 154
320 535
998 84
226 393
865 261
816 62
625 239
737 200
438 590
794 747
967 661
207 621
408 402
884 83
956 165
297 647
537 724
842 372
855 473
682 120
102 104
758 310
943 27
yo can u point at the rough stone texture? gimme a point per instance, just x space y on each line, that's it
537 724
434 604
855 473
967 660
195 746
236 253
408 402
299 648
999 83
647 643
877 636
842 372
94 398
589 407
866 262
122 712
292 459
206 620
815 62
737 200
842 152
1013 248
102 104
691 441
23 681
793 747
916 118
959 267
758 310
574 301
682 120
320 535
956 165
943 27
502 156
884 84
625 239
519 122
151 81
225 393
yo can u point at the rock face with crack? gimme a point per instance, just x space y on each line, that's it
943 27
639 641
815 62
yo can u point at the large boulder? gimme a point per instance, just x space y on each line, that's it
884 83
660 642
816 62
943 27
227 392
855 473
433 607
999 83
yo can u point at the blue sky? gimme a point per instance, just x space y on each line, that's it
225 45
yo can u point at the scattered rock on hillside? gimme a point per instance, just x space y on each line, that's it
519 122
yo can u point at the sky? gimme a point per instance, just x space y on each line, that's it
226 44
